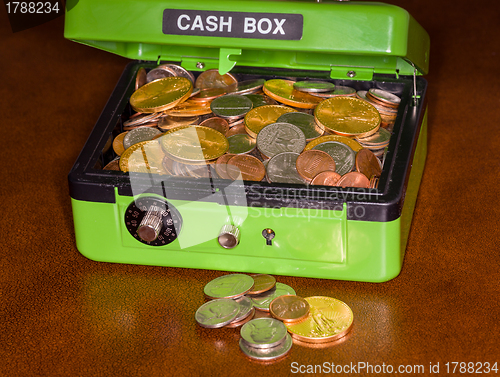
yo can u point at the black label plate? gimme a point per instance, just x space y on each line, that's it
280 26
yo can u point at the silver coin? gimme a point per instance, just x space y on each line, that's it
263 333
314 86
240 143
385 96
187 170
179 71
264 354
262 301
246 87
139 134
246 308
282 169
277 138
344 156
261 100
217 313
141 119
306 123
159 73
233 106
361 94
338 91
229 286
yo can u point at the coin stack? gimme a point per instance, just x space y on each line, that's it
216 127
243 300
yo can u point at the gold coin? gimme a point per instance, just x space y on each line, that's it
189 109
284 92
160 95
348 116
329 319
259 117
144 157
168 122
118 143
194 143
353 144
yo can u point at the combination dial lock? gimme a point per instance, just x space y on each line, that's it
153 221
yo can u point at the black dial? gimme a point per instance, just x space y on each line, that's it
153 221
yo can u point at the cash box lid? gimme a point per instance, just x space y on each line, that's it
349 39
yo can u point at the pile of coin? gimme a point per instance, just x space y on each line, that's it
272 317
280 131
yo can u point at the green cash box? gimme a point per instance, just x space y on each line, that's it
280 229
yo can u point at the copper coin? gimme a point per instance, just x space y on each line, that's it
289 308
368 164
312 162
250 168
236 130
113 165
141 78
354 179
118 143
326 178
139 119
221 165
218 124
212 79
262 283
384 97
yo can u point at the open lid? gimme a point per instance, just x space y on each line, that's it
349 39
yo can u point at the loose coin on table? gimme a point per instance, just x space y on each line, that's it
348 116
246 310
262 301
284 92
194 143
277 138
217 313
329 319
312 162
262 283
263 333
160 95
229 286
267 354
257 118
289 308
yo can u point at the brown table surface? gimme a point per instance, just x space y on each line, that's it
62 314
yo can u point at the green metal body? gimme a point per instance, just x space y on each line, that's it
339 37
309 242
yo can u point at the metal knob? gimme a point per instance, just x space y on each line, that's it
229 236
151 225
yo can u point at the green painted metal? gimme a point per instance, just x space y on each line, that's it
337 36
